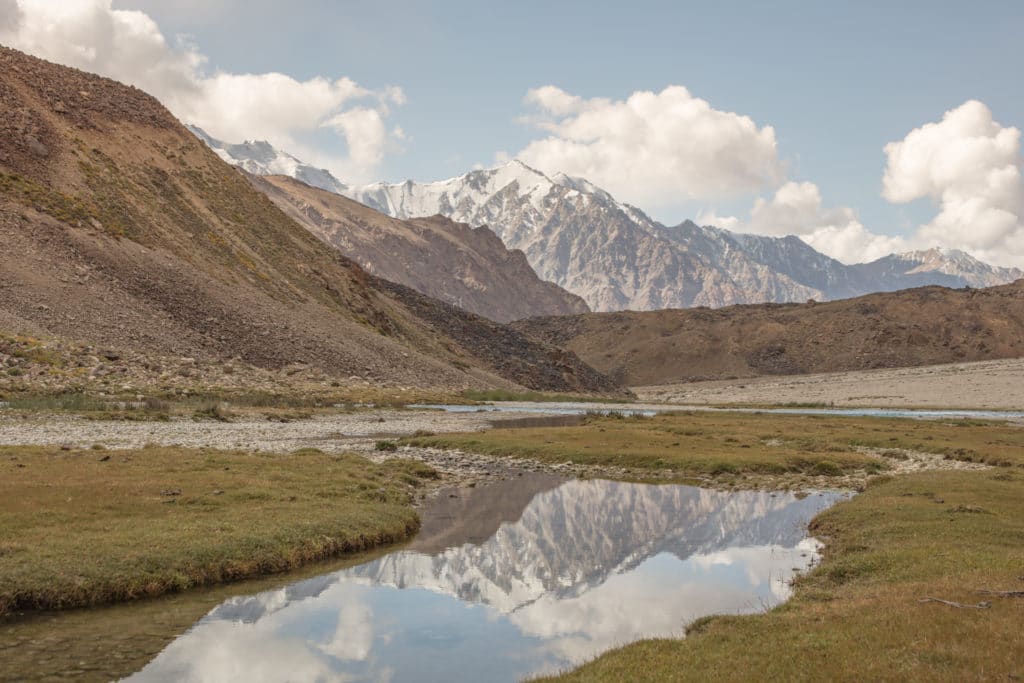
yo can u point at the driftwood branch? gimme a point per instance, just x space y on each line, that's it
958 605
1003 594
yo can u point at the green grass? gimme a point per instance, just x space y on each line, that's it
707 443
81 528
858 616
688 444
293 404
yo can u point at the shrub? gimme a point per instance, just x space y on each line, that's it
826 468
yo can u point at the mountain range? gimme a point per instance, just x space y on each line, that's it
615 256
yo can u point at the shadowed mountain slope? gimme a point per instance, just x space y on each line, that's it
120 228
464 266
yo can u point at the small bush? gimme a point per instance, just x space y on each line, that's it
389 446
826 468
215 410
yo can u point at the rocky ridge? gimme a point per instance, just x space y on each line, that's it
913 327
467 267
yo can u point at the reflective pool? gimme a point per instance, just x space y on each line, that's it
530 576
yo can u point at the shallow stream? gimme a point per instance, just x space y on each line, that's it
530 575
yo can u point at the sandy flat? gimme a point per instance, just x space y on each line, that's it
991 385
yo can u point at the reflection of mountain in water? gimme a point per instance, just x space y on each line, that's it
571 539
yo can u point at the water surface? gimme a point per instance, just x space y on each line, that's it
531 576
649 409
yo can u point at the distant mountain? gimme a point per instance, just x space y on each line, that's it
467 267
958 268
261 158
616 257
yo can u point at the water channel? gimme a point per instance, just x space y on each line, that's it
534 574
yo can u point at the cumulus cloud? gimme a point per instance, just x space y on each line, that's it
967 164
652 149
797 209
10 18
970 166
129 46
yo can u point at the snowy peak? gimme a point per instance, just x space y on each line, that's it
259 157
460 198
957 264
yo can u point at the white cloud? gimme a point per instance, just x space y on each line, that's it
10 18
726 222
652 149
365 132
127 45
796 209
969 165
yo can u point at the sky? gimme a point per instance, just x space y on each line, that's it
863 127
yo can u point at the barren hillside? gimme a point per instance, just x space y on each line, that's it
120 228
913 327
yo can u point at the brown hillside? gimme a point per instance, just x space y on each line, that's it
924 326
468 267
118 227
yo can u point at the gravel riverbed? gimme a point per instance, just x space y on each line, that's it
359 433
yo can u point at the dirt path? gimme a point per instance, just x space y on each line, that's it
988 385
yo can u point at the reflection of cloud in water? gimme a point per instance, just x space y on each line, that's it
587 566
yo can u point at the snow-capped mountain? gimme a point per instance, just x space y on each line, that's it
578 236
616 257
929 266
259 157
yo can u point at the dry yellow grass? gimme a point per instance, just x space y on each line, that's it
729 443
87 527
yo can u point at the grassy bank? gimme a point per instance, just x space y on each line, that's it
706 443
164 405
81 528
859 615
